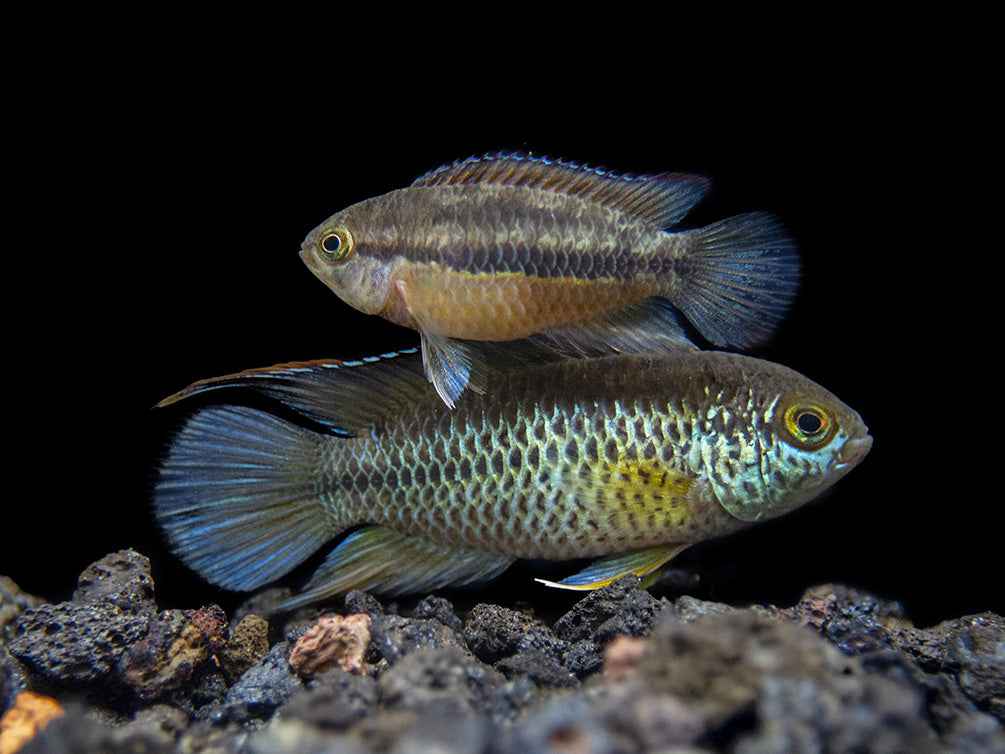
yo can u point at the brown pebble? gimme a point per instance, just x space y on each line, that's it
333 642
30 713
247 646
622 656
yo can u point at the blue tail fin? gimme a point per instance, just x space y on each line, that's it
742 274
237 499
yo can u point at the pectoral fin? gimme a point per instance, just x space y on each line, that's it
450 365
644 563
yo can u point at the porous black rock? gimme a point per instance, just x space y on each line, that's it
79 731
565 724
259 692
975 655
122 579
7 684
72 644
960 663
80 642
450 677
493 632
13 602
393 637
518 644
622 607
334 700
438 608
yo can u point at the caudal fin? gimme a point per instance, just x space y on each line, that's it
741 276
236 496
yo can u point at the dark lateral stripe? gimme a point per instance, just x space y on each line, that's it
533 261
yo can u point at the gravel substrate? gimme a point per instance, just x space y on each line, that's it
621 671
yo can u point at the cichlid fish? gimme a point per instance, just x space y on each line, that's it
502 247
626 459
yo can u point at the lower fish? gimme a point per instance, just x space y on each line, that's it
626 460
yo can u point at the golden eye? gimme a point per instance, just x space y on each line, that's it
808 426
336 245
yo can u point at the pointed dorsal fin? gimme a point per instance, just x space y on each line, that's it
661 200
351 398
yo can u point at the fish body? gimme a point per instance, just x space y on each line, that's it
626 459
502 247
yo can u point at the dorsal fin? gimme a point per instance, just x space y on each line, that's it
351 398
661 200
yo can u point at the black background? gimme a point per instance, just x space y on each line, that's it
159 209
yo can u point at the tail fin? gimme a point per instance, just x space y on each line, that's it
742 274
236 496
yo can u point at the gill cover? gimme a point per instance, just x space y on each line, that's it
793 449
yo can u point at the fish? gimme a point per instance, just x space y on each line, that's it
624 460
502 247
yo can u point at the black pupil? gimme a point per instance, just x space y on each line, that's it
331 243
809 422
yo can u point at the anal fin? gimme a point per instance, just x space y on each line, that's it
648 326
385 562
645 563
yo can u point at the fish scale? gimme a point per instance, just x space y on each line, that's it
534 452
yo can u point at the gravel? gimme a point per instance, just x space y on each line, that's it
621 671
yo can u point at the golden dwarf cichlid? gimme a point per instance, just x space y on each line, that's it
626 459
502 247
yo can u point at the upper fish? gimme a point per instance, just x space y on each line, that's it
626 459
505 246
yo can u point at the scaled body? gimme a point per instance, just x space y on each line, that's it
502 247
629 459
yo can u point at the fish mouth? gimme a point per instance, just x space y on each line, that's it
853 451
305 256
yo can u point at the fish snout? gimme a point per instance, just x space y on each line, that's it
307 256
853 451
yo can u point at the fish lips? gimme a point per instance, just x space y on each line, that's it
853 451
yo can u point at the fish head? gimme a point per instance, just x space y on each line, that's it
340 254
796 441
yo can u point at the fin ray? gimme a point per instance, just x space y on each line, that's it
647 326
348 397
451 366
235 497
661 200
601 572
743 274
382 561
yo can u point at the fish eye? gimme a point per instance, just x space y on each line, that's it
809 422
336 245
808 426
